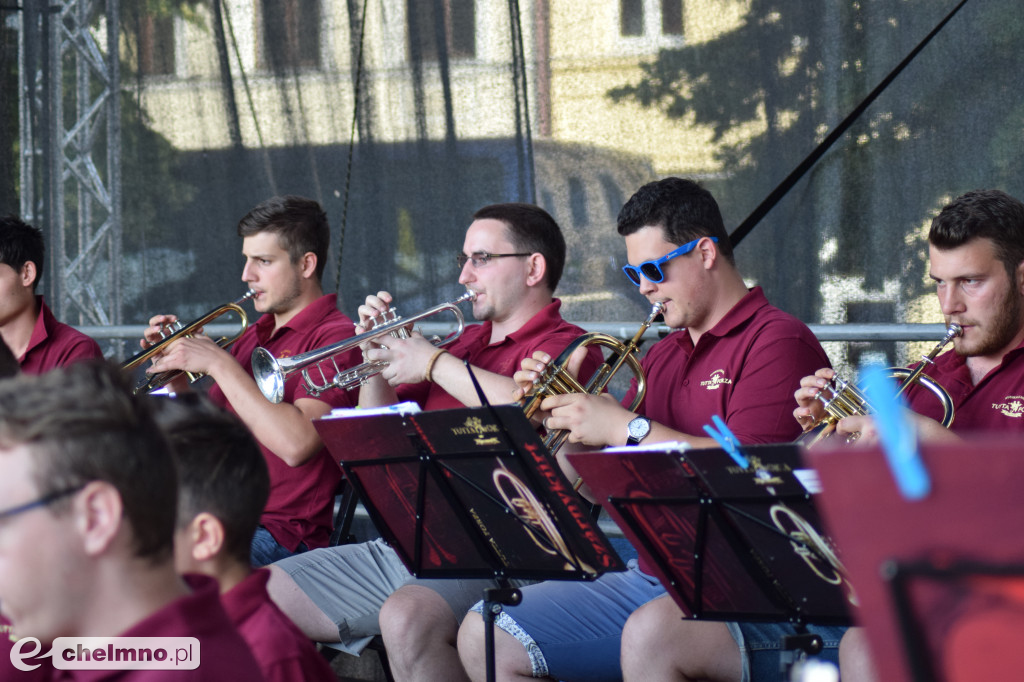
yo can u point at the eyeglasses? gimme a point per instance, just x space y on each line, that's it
482 258
651 269
44 501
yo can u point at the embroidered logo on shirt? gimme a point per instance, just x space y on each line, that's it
717 379
1012 406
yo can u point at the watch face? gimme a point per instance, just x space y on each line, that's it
639 427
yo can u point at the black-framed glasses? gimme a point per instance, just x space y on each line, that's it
651 269
44 501
482 258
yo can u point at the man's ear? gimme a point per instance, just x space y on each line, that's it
708 252
28 274
538 269
99 516
207 535
307 265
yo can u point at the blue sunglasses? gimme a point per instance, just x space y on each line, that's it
651 269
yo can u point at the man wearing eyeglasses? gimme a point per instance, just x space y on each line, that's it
512 259
733 355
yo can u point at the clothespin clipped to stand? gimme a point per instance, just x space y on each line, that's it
896 434
726 440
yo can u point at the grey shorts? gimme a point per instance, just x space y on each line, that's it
350 583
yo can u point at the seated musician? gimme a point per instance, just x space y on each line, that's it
89 492
733 355
216 457
284 241
512 258
976 257
36 339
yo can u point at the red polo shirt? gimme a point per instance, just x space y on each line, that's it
223 654
745 369
545 331
299 508
995 404
284 654
55 344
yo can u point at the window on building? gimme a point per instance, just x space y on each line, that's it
672 17
156 46
435 24
641 17
631 17
578 202
291 34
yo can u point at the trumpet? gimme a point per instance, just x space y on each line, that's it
176 330
271 373
556 380
843 399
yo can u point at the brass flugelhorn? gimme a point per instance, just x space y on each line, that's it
556 379
176 330
842 398
271 373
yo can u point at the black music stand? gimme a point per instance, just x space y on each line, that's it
940 579
470 493
727 543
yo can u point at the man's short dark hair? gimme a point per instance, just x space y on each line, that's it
221 470
299 223
82 424
21 243
531 230
983 213
682 208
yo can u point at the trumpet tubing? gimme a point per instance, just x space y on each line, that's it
842 398
320 371
181 331
556 379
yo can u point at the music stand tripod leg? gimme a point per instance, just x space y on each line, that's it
494 599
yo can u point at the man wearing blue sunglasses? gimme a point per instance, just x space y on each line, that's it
733 355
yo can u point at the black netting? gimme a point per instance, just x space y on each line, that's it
403 125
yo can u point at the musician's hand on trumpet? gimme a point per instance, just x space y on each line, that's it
195 355
532 369
810 409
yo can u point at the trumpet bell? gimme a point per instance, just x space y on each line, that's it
269 376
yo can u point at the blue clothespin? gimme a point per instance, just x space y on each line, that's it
725 438
896 434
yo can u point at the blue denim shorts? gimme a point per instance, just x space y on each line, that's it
761 646
573 630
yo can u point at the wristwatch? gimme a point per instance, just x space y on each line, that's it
638 429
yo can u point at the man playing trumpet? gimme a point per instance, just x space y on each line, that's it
732 355
976 257
512 259
284 241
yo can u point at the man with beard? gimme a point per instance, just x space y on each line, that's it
976 254
284 242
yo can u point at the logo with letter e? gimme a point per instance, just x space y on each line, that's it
110 653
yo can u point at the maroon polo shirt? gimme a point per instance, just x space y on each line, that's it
299 508
223 654
284 654
545 331
55 344
995 404
745 369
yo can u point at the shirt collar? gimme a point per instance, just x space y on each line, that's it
546 318
305 321
45 323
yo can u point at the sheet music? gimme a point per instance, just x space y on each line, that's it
664 446
405 408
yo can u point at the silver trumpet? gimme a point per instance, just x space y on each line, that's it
320 371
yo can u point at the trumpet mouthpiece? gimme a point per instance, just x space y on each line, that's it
954 330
